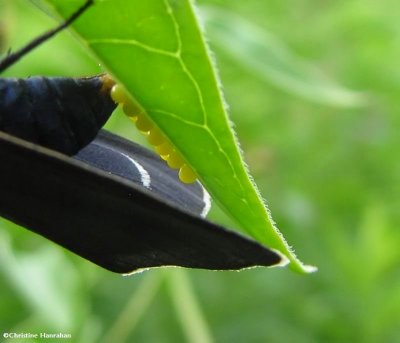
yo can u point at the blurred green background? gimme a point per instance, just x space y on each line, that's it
313 89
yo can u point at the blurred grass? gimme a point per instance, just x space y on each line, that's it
330 174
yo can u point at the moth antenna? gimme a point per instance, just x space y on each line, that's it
14 57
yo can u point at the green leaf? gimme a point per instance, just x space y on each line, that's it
268 58
156 50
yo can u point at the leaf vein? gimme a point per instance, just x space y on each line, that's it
199 94
173 54
177 117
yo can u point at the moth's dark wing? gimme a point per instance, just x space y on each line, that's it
62 114
109 220
118 156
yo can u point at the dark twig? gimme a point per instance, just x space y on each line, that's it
14 57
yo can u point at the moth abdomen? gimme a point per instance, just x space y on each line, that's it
63 114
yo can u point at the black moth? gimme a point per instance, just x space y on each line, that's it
63 114
102 197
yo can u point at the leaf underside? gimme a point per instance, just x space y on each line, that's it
156 50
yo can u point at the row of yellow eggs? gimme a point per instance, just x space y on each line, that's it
154 135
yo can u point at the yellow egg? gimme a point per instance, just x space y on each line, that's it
118 94
175 160
130 109
155 137
164 149
187 175
144 124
